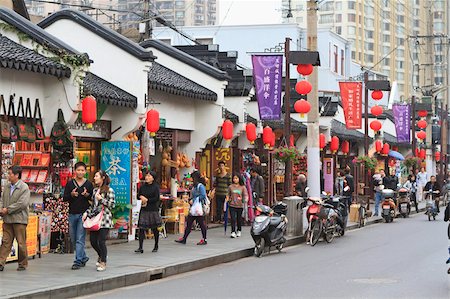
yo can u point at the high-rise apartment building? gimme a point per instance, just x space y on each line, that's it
381 33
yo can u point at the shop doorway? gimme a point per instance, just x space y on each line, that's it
89 153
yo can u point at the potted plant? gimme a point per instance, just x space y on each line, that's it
285 154
412 163
370 163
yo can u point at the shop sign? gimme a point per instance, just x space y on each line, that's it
101 129
162 122
116 162
224 155
351 96
328 175
402 118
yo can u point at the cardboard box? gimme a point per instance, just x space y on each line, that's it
354 213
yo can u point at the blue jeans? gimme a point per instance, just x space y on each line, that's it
78 236
378 199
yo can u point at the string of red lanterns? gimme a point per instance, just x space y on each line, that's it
303 87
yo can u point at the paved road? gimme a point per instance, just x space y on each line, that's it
405 259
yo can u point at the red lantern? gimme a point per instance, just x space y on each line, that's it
302 107
322 141
375 125
385 150
437 156
89 111
303 87
378 146
422 124
421 135
345 147
250 130
391 162
423 154
422 113
376 110
272 140
417 152
377 95
152 122
291 141
334 145
305 69
395 148
267 135
227 130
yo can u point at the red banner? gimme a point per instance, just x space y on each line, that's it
351 95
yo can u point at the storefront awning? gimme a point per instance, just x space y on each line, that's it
18 57
107 93
164 79
340 130
392 140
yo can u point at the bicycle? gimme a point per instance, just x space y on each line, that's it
362 211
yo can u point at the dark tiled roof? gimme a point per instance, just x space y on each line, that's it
107 93
391 139
339 129
34 32
296 126
99 29
186 58
15 56
164 79
251 119
20 7
231 116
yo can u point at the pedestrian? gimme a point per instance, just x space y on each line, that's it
433 186
447 218
198 193
351 185
103 198
149 217
391 182
378 188
301 185
237 197
339 183
422 179
411 185
14 210
258 188
221 183
78 192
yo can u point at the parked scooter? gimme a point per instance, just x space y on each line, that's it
404 202
388 205
322 221
340 206
269 228
431 211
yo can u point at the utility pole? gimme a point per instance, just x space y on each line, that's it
413 125
287 119
366 118
429 83
148 29
313 160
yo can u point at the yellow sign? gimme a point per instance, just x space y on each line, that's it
32 229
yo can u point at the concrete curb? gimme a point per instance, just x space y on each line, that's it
139 277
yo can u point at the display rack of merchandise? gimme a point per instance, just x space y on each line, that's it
7 162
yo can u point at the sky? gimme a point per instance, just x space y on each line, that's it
246 12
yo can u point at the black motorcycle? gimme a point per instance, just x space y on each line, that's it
269 228
339 204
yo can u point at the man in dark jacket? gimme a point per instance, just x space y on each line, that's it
351 185
258 188
433 186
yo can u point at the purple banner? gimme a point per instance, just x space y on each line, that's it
267 75
402 117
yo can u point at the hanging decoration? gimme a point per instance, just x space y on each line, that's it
272 140
423 154
303 87
305 69
437 156
152 122
375 125
302 107
421 135
345 147
422 124
385 150
377 95
422 113
291 141
378 146
322 141
250 130
376 110
417 153
227 130
402 120
267 136
89 111
351 97
334 145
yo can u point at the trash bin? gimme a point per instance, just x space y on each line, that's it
294 215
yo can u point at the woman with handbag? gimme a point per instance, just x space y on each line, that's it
149 217
196 213
103 200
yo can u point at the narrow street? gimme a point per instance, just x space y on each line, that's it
405 259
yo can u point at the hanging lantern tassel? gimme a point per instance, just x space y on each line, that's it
89 111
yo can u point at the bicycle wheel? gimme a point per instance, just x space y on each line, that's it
316 231
362 217
330 230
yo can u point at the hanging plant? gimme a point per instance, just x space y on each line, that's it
285 154
368 162
412 162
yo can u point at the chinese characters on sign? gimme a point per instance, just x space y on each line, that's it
402 117
267 73
351 95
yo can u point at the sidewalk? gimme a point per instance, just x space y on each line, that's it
51 276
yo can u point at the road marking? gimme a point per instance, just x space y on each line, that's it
374 280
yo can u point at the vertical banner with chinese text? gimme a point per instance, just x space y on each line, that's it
328 175
402 118
351 95
267 75
116 162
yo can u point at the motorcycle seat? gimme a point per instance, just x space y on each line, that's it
275 221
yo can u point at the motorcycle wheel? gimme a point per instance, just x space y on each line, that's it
429 217
259 248
279 247
342 231
329 233
316 232
362 217
434 217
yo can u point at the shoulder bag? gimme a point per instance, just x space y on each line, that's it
13 130
39 126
